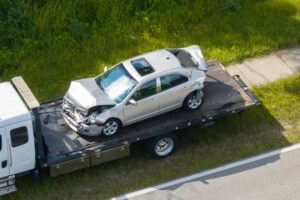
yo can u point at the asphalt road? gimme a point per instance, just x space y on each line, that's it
274 176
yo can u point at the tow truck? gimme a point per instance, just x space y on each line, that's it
34 135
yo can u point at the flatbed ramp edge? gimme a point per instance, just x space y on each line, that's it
67 151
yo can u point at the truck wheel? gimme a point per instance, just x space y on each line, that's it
162 146
111 127
35 174
193 100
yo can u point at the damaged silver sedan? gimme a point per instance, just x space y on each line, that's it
136 89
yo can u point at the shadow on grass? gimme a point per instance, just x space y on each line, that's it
230 139
293 87
238 137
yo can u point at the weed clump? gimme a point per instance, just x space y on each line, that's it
231 5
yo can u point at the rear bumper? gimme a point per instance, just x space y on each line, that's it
7 185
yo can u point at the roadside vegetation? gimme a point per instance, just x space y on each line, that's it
274 124
51 42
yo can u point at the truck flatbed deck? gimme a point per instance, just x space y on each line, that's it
223 95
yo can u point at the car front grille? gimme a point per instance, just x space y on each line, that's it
72 110
68 103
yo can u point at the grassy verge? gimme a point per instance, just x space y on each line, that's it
52 42
274 124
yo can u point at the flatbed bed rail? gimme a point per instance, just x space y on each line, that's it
246 89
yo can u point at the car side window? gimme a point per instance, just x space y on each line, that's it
146 90
172 80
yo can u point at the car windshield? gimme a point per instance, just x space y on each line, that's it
117 83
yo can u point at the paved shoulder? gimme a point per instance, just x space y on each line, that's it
267 69
291 57
275 175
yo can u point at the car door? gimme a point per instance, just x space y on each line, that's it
146 103
4 167
173 88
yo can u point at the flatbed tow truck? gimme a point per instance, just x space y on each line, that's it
34 135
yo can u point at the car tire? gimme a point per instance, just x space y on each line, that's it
194 100
111 127
162 146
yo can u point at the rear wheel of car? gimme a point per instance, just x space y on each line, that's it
162 146
193 100
111 127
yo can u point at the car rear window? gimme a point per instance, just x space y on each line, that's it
142 66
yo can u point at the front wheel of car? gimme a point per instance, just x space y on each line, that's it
193 100
111 127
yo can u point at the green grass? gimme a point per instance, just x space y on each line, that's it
274 124
53 42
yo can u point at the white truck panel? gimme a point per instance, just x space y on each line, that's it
22 154
12 108
17 148
4 162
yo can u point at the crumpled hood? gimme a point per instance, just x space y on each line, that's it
87 93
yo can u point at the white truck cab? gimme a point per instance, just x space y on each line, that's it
17 148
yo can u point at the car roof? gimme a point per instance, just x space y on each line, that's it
160 60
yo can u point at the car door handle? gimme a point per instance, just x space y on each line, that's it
185 86
153 99
4 163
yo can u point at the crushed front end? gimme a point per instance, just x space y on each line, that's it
79 119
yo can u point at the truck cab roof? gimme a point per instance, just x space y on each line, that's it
12 107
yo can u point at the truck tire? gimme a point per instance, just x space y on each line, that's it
162 146
35 173
193 101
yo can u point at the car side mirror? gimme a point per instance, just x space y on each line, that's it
132 102
105 68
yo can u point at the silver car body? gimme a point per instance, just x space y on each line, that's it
86 107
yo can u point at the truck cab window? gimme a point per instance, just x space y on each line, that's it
19 136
